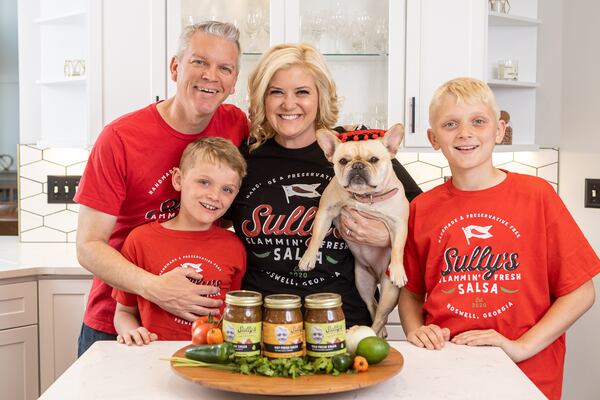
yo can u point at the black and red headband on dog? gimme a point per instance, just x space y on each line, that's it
362 134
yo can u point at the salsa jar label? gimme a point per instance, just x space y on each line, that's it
245 337
283 340
325 340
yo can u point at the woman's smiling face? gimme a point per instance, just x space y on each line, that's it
291 105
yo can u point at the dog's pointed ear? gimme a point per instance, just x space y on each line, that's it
328 141
393 137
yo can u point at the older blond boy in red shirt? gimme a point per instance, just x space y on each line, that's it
493 257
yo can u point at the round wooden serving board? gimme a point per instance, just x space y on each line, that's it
304 385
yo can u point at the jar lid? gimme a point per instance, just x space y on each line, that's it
243 298
282 301
323 300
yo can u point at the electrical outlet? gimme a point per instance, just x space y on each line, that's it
62 188
592 193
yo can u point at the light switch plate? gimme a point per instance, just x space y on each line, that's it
62 188
592 193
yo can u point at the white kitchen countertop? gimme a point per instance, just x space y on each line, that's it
109 370
19 259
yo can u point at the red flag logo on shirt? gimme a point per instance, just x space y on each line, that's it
301 190
474 231
195 267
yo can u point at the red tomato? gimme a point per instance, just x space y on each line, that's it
200 329
199 321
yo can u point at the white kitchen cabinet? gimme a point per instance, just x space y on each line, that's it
19 377
133 55
444 40
61 304
59 72
19 363
123 48
514 36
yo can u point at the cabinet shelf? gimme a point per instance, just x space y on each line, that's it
355 57
512 84
62 81
499 19
61 18
335 56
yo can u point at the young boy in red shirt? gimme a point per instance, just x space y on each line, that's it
492 257
208 177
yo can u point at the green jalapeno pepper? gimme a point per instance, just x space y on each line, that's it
211 353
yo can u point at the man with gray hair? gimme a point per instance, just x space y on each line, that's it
127 181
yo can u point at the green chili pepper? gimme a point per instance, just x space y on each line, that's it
211 353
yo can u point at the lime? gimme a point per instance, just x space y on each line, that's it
373 348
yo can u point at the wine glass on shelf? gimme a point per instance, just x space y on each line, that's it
314 26
188 20
360 33
378 115
253 26
380 35
337 23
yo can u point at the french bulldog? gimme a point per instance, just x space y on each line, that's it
365 180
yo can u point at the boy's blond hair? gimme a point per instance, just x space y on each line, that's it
285 56
215 150
468 90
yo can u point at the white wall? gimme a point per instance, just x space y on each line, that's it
580 159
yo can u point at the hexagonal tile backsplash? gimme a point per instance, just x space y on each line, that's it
43 222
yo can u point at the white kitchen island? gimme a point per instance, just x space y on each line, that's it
112 371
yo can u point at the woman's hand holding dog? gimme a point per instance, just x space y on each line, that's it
363 228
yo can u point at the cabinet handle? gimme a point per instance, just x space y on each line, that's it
412 115
157 98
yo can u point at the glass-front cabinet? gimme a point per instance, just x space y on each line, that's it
354 36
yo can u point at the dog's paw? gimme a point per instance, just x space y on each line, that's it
307 263
397 275
379 329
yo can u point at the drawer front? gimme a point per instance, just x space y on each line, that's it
18 304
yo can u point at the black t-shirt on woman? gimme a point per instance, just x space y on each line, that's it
273 215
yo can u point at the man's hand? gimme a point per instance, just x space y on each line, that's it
175 293
429 336
490 337
362 227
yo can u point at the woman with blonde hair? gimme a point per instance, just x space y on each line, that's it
292 95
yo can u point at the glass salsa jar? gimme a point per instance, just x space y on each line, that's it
242 322
283 333
325 325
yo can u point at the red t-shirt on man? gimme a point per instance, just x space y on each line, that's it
128 175
497 259
217 254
